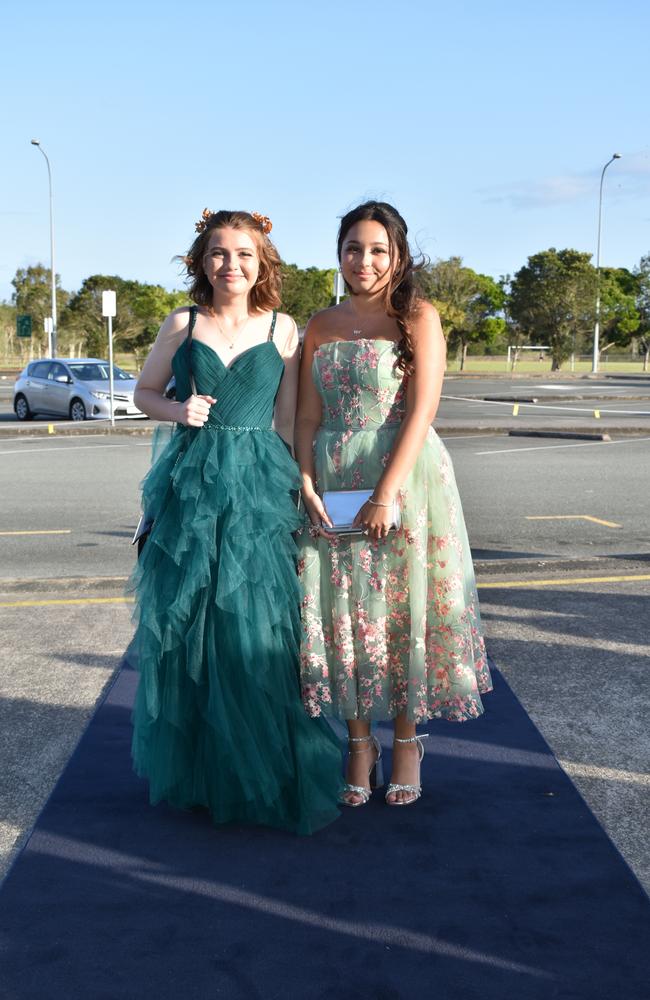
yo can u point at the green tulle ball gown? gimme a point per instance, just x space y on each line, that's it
218 719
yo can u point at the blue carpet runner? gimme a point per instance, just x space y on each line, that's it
498 884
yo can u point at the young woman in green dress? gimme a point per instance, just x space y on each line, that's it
218 720
391 626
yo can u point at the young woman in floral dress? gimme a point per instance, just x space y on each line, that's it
391 626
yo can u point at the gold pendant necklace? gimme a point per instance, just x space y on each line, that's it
231 343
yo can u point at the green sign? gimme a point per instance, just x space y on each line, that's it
23 325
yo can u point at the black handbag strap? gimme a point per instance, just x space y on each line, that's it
193 313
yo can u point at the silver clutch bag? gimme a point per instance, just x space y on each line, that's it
344 505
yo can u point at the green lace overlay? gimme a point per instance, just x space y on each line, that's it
389 627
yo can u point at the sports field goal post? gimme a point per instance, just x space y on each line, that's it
514 349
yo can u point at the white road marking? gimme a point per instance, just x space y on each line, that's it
550 447
604 773
587 409
466 437
73 447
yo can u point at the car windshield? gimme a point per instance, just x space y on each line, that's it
97 371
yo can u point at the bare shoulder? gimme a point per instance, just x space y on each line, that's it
175 324
286 334
426 325
426 313
322 323
285 325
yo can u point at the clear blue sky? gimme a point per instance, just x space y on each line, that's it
486 124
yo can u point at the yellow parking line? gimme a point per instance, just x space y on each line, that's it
572 517
561 582
66 600
50 531
498 585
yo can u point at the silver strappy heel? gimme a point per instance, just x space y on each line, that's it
416 790
375 773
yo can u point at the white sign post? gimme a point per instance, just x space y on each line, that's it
109 309
339 286
48 326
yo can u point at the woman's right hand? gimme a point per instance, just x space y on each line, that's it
317 515
195 410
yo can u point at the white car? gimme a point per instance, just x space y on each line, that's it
77 388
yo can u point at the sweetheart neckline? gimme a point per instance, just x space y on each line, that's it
253 347
357 340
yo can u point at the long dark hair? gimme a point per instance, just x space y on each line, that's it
401 297
265 293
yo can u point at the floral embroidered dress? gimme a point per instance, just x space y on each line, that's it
389 627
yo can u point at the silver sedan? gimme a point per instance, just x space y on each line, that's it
77 388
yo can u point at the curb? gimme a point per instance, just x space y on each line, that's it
71 428
57 585
510 399
560 434
485 568
146 429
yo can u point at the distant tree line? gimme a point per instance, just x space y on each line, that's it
550 301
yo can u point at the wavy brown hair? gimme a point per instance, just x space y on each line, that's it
401 296
265 293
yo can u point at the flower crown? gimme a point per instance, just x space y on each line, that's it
263 221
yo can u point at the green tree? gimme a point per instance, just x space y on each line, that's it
642 275
552 300
619 316
305 291
469 303
141 309
33 294
11 344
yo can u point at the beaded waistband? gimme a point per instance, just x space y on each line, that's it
233 427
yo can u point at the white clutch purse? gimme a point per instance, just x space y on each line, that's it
344 505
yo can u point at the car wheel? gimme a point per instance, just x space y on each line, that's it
77 410
21 408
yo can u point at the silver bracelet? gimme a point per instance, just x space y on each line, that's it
375 503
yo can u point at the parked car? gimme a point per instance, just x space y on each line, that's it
77 388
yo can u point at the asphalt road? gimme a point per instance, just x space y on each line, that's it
560 533
524 498
470 399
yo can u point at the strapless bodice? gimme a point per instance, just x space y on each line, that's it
359 386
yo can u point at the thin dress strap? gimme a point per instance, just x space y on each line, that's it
272 328
193 313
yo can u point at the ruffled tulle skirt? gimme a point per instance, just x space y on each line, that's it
218 720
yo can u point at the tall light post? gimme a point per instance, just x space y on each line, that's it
594 366
36 142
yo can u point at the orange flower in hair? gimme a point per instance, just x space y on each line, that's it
202 224
263 221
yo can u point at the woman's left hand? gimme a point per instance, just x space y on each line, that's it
375 521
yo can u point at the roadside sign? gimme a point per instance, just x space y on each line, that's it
23 325
339 287
109 306
109 309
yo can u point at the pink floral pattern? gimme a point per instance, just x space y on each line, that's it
389 627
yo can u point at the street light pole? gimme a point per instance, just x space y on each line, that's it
36 142
594 366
